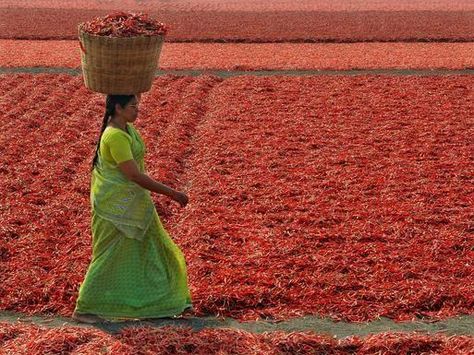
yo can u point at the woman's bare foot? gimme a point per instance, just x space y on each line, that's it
187 312
87 318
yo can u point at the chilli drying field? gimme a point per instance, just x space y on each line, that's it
346 197
350 201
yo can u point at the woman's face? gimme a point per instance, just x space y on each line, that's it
130 111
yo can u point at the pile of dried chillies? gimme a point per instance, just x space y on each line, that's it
334 223
263 56
264 27
123 24
33 339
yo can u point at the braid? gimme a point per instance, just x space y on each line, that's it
109 110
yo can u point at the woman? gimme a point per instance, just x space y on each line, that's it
136 270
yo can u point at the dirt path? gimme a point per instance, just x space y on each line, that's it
231 73
463 325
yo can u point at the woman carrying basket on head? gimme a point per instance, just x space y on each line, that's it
136 270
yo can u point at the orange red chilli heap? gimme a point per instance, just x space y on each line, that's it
122 24
33 339
263 27
349 202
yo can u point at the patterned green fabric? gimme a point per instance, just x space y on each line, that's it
136 271
121 201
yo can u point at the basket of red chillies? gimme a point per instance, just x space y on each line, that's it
120 52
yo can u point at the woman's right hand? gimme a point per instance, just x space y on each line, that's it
181 198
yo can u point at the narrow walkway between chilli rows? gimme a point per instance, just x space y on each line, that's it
462 325
232 73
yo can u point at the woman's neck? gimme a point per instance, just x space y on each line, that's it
118 123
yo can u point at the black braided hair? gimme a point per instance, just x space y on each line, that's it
110 103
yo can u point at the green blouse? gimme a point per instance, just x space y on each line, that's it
113 197
116 147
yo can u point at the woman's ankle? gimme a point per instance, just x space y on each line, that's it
87 318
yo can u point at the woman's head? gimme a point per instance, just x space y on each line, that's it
122 107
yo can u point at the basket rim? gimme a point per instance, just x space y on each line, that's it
87 34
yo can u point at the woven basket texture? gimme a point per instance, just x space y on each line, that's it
119 65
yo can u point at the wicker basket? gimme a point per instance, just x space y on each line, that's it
119 65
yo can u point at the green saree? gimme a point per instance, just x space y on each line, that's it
136 271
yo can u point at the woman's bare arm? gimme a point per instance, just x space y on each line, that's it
130 169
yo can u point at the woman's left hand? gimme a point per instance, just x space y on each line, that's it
181 198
